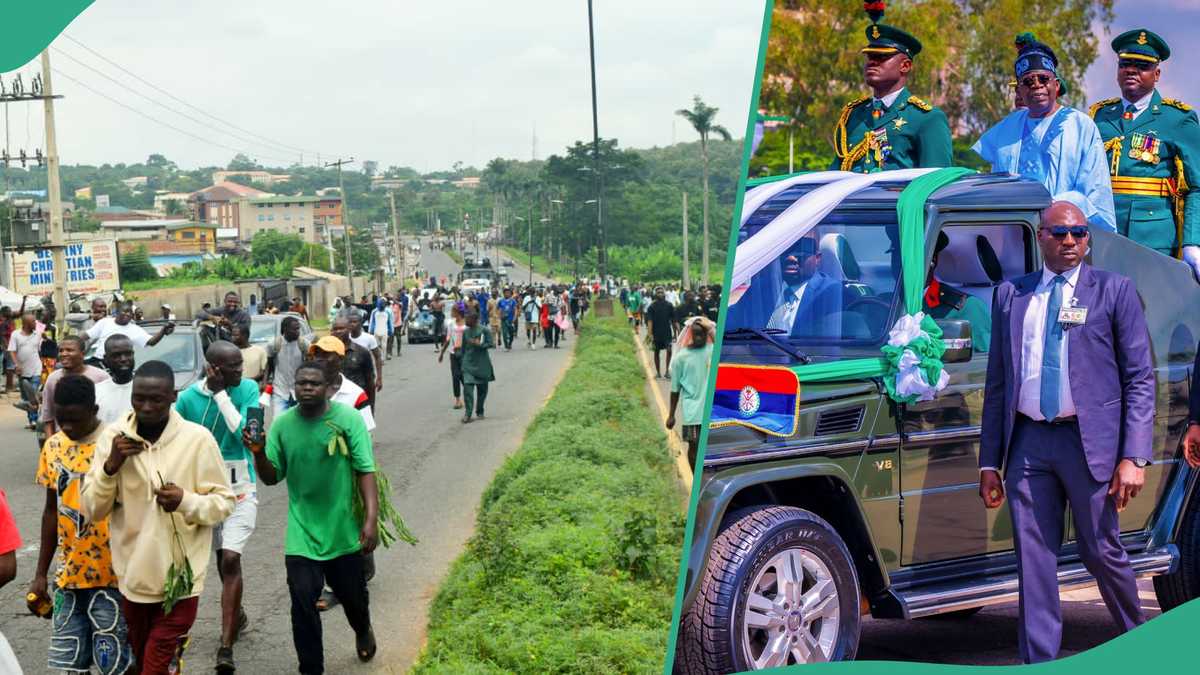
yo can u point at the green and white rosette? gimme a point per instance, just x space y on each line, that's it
914 357
913 354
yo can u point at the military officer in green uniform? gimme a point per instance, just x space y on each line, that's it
943 302
891 129
1153 146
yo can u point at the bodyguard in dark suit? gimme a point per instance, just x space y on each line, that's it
1068 417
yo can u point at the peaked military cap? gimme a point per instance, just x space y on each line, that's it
885 39
1140 44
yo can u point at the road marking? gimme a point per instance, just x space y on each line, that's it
674 442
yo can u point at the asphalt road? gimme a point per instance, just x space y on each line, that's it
438 469
989 638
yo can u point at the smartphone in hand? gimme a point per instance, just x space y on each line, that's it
255 425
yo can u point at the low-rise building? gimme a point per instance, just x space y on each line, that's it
192 236
163 199
218 204
289 215
328 211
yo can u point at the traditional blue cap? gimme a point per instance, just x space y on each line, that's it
1034 55
1141 45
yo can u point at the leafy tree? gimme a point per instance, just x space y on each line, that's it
173 207
241 162
135 266
701 117
269 247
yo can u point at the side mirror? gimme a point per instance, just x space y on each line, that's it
957 336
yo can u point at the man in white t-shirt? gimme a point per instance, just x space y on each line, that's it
122 323
113 395
23 348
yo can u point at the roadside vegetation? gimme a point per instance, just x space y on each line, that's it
573 562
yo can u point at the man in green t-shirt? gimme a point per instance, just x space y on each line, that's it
219 403
689 377
323 451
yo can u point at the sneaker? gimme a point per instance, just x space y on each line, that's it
225 660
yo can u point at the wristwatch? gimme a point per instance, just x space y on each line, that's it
1140 462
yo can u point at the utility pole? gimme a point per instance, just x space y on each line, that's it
397 249
603 257
685 240
54 191
345 221
529 213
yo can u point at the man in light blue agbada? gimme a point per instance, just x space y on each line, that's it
1056 145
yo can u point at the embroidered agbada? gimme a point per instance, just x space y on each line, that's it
1062 151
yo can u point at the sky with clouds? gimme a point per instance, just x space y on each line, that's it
421 84
426 84
1177 21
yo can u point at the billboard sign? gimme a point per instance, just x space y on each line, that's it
91 268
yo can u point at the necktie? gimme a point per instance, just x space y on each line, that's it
783 316
1052 351
1127 116
876 109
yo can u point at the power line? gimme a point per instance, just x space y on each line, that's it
176 98
168 125
164 106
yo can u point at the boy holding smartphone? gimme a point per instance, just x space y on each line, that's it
224 403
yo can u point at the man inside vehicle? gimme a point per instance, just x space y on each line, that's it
807 294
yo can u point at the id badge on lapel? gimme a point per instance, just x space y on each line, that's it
1072 315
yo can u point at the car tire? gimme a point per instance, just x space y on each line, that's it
714 635
1175 589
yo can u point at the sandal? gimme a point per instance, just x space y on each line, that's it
327 600
365 646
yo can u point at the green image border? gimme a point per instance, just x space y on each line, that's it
33 26
731 247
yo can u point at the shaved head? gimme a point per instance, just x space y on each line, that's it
1063 213
221 351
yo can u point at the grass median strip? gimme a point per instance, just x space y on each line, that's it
577 541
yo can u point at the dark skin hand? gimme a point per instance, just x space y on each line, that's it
168 497
991 489
1191 445
47 546
123 447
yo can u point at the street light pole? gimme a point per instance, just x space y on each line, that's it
345 222
603 257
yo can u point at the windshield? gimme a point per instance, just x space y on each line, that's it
263 331
178 350
834 285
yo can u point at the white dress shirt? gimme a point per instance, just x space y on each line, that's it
785 315
888 100
1033 331
1139 106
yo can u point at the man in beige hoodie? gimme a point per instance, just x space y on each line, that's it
162 482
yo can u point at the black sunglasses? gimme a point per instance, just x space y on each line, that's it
1061 231
1031 81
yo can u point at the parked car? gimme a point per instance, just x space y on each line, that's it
264 328
864 506
183 350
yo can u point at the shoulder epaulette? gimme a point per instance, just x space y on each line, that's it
856 102
1100 104
954 297
1176 103
919 103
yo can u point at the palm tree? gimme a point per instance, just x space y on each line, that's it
702 117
